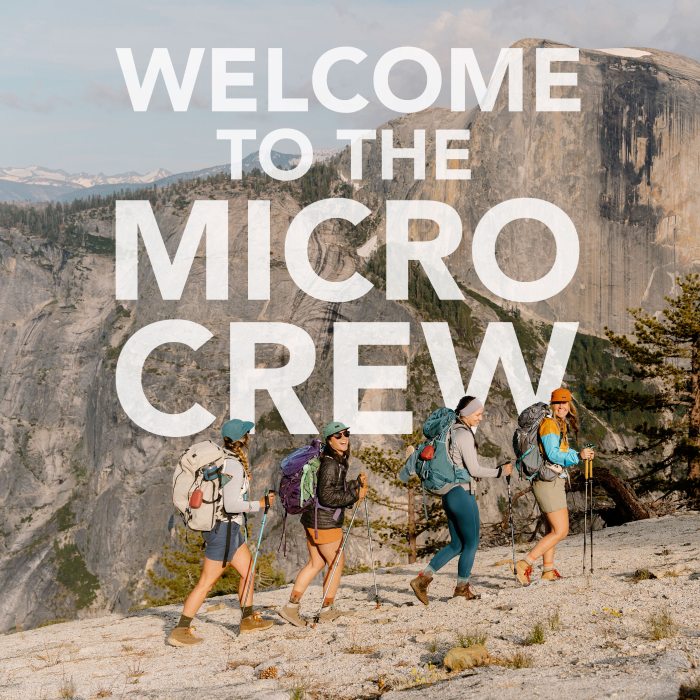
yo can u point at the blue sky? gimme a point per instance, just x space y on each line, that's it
63 103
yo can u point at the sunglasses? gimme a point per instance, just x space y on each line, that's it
342 433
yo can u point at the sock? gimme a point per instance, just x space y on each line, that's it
462 581
529 561
428 572
184 621
548 567
247 611
292 604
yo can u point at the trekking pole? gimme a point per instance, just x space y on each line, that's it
590 476
585 512
317 616
510 520
371 556
251 576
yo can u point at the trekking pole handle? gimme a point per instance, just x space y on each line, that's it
508 479
267 499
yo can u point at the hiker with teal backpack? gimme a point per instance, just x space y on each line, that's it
447 465
323 524
541 444
228 503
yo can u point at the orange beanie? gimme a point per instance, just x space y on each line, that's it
561 395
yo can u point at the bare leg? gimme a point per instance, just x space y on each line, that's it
308 572
211 573
558 522
242 562
329 552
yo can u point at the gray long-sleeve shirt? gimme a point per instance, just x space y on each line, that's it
236 489
463 452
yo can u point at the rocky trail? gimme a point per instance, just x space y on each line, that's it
601 635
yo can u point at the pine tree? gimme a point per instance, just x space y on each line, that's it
180 565
402 533
665 356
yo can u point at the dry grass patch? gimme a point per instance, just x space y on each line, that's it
134 671
516 660
661 626
642 575
67 690
359 649
470 640
554 621
536 636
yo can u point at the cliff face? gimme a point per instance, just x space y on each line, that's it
86 492
624 169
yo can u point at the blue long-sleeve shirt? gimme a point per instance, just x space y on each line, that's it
556 445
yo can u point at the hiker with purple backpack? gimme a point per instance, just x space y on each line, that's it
322 519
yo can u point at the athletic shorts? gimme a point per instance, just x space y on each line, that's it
550 495
334 534
215 541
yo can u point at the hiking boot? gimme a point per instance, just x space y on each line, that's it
551 575
183 637
523 571
465 591
329 614
290 613
420 587
255 622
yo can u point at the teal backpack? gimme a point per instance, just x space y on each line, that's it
433 465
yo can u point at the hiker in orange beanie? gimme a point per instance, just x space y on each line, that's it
551 494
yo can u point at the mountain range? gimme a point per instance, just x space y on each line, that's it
36 183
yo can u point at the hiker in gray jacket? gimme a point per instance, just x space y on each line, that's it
459 502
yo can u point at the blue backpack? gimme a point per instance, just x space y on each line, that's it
433 465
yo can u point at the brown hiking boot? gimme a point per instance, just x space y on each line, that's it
329 614
465 591
523 571
290 613
420 587
255 622
183 637
551 575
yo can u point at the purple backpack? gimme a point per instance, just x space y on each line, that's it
298 475
297 489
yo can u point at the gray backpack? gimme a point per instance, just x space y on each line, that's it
197 488
530 461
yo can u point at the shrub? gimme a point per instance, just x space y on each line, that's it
661 625
536 636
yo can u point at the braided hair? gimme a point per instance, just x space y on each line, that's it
239 449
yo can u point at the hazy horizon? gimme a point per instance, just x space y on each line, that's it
64 104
